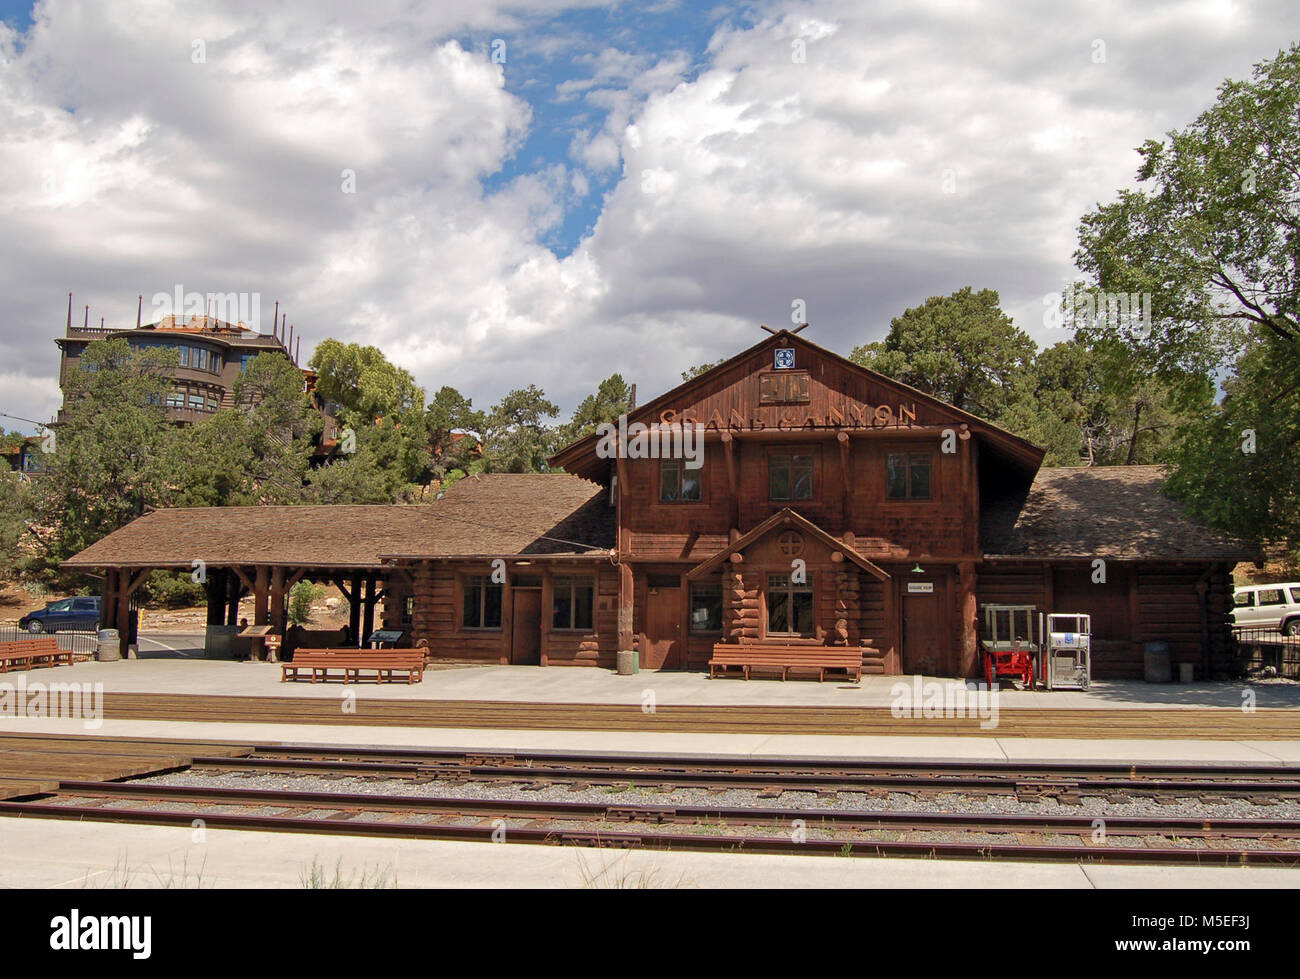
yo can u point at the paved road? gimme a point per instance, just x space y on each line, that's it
171 645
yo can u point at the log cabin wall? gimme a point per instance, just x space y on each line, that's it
439 592
1184 604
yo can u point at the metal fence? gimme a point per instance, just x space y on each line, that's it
80 642
1258 648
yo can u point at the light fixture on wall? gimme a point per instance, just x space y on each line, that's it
918 569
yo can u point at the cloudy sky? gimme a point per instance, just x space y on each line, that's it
550 192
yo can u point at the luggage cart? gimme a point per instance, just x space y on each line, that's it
1011 643
1069 651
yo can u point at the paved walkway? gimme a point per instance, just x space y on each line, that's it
579 685
964 748
52 853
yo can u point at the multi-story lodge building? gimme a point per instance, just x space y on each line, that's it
211 354
824 504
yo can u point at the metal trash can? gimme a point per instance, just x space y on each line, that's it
109 649
1156 667
627 664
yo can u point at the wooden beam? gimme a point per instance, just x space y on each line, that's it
846 480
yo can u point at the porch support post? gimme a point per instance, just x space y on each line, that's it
368 625
277 603
261 607
968 616
354 610
215 588
123 611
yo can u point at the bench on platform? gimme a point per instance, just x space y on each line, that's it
33 652
786 657
352 662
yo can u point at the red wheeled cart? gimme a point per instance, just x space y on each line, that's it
1011 642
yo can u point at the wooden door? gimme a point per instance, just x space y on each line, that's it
922 634
526 633
663 630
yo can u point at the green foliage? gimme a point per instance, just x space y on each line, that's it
516 438
17 507
1214 236
691 373
171 589
961 349
302 597
1248 485
453 425
612 398
107 461
364 382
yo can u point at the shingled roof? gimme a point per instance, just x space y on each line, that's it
499 514
1117 512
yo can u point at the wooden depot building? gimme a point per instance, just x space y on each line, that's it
786 496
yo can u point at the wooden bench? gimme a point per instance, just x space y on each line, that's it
786 657
351 662
31 653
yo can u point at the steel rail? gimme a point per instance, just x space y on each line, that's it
540 809
751 777
668 841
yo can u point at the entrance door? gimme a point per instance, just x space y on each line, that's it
526 633
663 629
922 635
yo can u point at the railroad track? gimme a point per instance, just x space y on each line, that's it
1205 842
649 819
770 777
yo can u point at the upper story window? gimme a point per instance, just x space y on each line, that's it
678 484
574 601
790 476
907 476
481 603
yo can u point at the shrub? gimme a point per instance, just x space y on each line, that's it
301 598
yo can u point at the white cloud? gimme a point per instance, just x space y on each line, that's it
131 169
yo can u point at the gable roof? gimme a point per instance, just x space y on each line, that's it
786 517
579 457
500 514
1118 512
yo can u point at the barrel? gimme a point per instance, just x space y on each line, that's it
1156 667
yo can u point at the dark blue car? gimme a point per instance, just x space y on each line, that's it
67 614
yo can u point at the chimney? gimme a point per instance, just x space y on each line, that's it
275 321
139 310
69 312
297 351
290 349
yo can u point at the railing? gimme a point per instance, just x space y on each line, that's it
1259 647
79 641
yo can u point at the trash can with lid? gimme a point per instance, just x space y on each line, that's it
109 649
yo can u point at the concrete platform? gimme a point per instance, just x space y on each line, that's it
58 854
574 685
992 749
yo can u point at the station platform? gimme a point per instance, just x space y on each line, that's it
587 685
